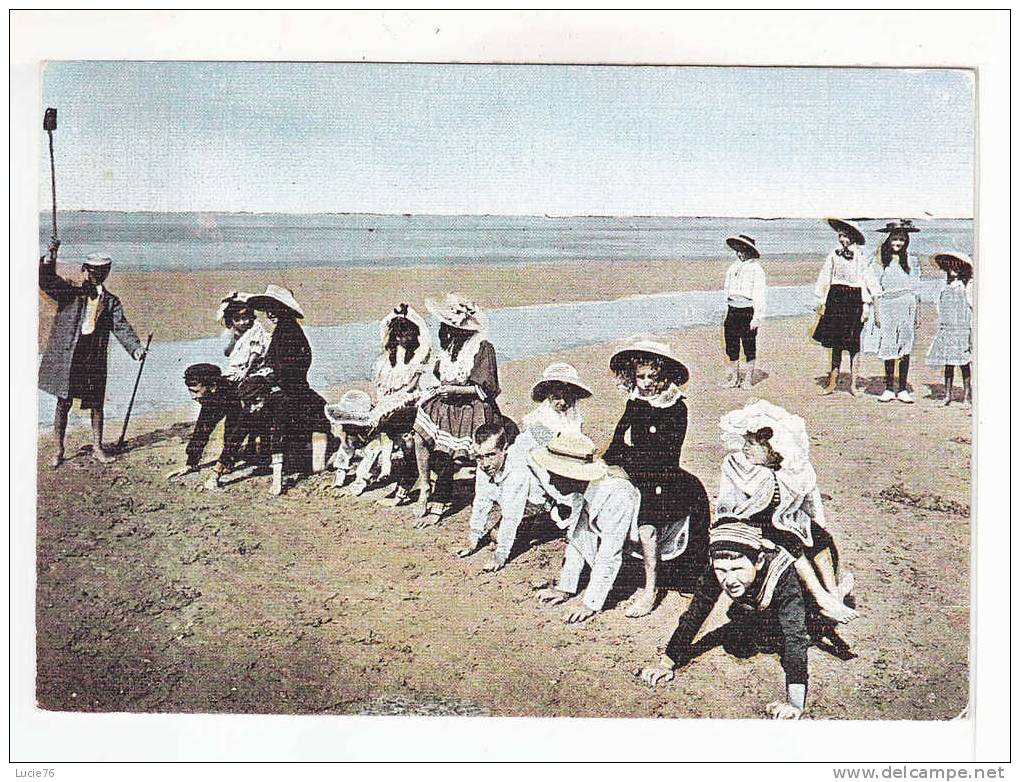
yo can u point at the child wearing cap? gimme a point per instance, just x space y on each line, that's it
951 346
73 365
219 402
745 308
767 610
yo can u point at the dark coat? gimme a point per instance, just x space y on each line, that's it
56 366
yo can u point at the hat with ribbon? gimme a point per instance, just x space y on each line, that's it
571 455
744 242
274 296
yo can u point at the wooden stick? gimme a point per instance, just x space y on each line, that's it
141 366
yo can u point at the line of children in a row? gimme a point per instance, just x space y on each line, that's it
866 305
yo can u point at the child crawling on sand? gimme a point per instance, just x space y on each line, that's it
767 610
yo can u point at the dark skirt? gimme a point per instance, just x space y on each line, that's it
840 327
88 373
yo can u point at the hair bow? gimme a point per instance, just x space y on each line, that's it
400 309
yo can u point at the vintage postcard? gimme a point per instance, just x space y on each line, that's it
506 390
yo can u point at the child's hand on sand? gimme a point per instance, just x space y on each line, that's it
180 472
578 616
655 674
551 596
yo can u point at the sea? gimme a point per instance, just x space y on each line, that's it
344 353
209 241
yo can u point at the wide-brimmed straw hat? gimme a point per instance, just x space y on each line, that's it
276 295
643 346
845 226
457 311
904 226
354 407
559 373
98 260
789 431
571 455
951 260
744 242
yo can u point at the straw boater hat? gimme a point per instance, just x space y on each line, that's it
850 229
643 346
559 373
457 311
571 455
904 226
276 294
744 242
951 260
98 260
354 407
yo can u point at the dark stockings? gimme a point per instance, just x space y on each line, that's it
890 368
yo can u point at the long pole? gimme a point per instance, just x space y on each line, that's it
141 366
53 185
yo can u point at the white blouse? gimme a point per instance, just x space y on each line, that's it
853 272
746 280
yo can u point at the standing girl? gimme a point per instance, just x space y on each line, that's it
952 343
647 444
845 288
465 398
745 308
890 332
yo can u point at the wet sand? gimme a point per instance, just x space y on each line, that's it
182 305
154 597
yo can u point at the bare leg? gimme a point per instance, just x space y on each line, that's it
835 361
421 457
748 375
650 551
829 604
97 437
59 429
276 485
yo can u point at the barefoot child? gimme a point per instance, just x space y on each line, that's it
647 444
767 605
768 482
745 308
846 290
951 346
74 363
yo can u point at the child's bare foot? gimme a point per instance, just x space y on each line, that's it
57 460
430 519
100 455
837 611
644 605
394 500
747 383
854 389
357 487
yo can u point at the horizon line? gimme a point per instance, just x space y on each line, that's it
915 216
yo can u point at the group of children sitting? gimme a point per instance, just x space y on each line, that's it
435 412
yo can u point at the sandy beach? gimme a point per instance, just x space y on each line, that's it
154 597
182 305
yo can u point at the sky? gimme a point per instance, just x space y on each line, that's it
480 139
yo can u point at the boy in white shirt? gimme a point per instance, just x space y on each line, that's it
745 308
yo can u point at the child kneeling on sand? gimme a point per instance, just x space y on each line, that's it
767 605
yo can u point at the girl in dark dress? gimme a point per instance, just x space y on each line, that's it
464 399
289 357
647 444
